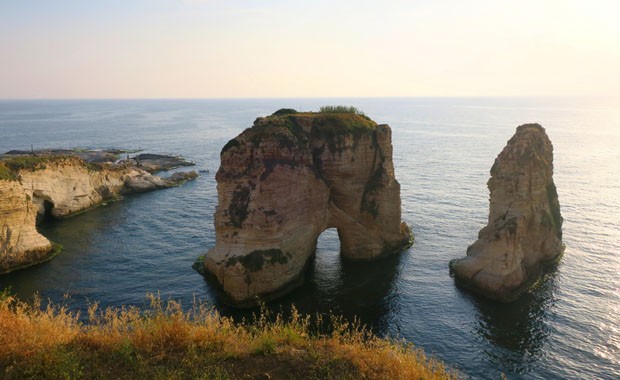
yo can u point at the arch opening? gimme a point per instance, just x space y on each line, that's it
327 263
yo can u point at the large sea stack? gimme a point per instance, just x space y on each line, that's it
287 179
524 230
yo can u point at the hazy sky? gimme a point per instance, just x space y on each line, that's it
313 48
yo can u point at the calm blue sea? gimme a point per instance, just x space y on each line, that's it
568 327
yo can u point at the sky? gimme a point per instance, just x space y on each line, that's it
319 48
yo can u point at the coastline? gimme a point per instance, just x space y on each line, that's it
36 185
118 253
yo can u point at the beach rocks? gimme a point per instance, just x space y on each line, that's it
287 179
158 162
180 177
139 181
524 230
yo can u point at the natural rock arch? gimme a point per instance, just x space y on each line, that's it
287 179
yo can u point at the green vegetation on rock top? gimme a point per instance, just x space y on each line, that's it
340 109
6 173
336 122
293 130
284 111
10 167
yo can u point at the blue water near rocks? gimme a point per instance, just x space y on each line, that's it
568 327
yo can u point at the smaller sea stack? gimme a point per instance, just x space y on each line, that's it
524 231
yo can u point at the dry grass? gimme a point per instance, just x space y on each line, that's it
164 342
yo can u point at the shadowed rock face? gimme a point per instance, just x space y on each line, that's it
287 179
524 230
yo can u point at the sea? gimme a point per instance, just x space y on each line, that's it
567 327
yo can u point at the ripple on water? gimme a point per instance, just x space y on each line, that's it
443 149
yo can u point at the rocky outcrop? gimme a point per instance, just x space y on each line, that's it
287 179
33 187
524 231
20 243
156 162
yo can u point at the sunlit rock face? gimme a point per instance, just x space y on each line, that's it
524 230
20 242
287 179
59 186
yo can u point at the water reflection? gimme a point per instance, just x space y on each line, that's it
57 277
362 290
517 332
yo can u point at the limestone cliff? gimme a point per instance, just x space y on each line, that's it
32 186
20 242
524 229
287 179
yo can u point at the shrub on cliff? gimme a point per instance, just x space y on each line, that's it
10 167
6 173
284 111
166 342
340 109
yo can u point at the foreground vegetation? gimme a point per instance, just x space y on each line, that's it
164 342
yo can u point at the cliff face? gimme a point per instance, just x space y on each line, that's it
283 182
59 187
524 229
20 243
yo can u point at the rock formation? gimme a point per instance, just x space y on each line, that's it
283 182
32 186
524 230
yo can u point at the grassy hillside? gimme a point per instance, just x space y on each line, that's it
164 342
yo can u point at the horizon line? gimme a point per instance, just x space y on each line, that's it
313 97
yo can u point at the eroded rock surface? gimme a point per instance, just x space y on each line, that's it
156 162
287 179
524 230
32 186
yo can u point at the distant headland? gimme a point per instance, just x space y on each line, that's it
58 183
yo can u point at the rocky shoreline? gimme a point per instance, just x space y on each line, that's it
59 183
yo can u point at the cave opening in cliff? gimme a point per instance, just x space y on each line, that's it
44 211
